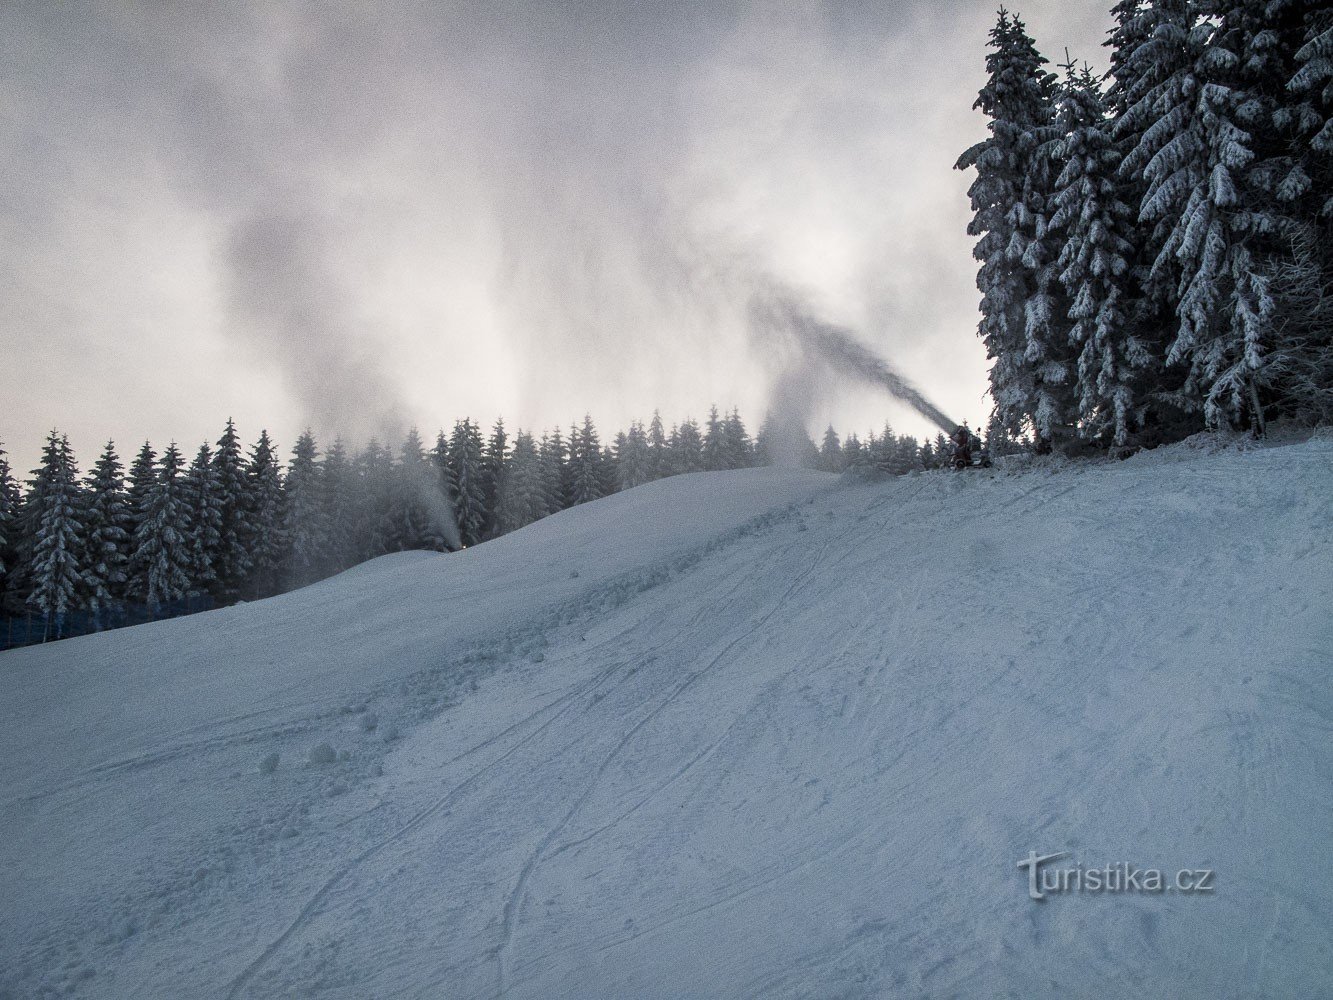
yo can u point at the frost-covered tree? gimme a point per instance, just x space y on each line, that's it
522 495
338 503
418 508
305 520
633 457
830 451
658 459
685 448
467 479
265 516
1115 365
234 559
107 527
374 501
737 449
9 529
161 561
553 456
200 494
585 464
55 570
1310 114
494 466
1009 207
1187 108
714 443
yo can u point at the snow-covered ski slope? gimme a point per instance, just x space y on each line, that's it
759 733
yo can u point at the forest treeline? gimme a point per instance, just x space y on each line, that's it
230 523
1156 246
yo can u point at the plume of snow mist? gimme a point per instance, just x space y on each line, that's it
776 309
425 487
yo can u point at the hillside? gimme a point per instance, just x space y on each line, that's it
756 733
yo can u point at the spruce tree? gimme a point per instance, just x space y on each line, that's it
633 457
686 448
714 445
522 497
55 570
494 465
1017 99
338 505
657 447
553 457
162 558
585 464
142 484
737 448
265 517
9 530
234 560
107 527
305 521
830 451
1115 365
1196 127
200 494
419 502
467 481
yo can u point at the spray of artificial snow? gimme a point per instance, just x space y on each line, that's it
776 309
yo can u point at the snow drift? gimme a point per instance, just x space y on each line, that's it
757 733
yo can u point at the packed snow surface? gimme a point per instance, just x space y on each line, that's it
765 732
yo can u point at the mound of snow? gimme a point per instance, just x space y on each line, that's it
748 733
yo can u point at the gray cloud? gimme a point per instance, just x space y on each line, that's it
368 216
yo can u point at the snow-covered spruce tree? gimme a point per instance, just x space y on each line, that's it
522 495
1290 66
466 479
268 550
338 502
55 569
419 508
162 557
1115 366
1199 131
928 456
853 454
200 494
1310 115
233 561
142 483
1018 100
585 464
107 527
1051 353
305 513
9 530
737 449
552 455
713 450
657 447
494 462
634 460
686 448
830 451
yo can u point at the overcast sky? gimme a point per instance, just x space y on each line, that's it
365 216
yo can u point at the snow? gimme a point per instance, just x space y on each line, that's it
752 733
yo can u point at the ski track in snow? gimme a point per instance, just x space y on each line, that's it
758 733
